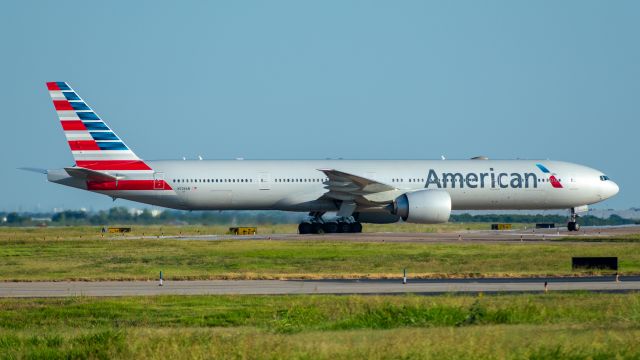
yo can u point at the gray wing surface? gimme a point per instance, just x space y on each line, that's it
349 187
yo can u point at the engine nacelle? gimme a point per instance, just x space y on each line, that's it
423 206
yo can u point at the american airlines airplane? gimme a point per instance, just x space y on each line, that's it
359 191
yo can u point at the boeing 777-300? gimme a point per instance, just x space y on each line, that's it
358 191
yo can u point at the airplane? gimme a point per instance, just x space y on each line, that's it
358 191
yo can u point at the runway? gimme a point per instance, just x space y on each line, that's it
291 287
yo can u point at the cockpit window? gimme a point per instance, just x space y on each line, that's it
604 178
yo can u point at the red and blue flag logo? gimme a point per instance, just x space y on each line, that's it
552 177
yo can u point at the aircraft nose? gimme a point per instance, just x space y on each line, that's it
610 189
614 188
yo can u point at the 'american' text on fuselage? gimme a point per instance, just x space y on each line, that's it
474 180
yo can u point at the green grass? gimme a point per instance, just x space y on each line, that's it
82 254
551 326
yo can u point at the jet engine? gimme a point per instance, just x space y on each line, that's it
423 206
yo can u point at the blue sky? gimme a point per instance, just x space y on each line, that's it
300 79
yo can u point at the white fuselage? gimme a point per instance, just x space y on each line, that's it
423 191
299 185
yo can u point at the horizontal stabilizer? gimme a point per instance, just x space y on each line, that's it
88 174
35 170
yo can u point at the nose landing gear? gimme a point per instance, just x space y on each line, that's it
573 225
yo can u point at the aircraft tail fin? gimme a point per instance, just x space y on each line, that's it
93 144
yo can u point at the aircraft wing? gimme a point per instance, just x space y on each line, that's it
88 174
349 187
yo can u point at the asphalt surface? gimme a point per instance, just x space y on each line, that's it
279 287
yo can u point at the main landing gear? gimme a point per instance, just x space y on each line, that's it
573 225
316 225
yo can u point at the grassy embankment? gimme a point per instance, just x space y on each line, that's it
81 254
552 326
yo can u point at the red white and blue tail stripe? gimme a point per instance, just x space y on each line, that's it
93 144
97 148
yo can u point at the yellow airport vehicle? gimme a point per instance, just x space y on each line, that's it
500 226
243 230
114 230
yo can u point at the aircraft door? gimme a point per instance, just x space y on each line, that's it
158 181
264 181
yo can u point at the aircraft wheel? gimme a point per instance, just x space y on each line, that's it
304 228
576 227
317 228
356 227
344 227
330 227
571 226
